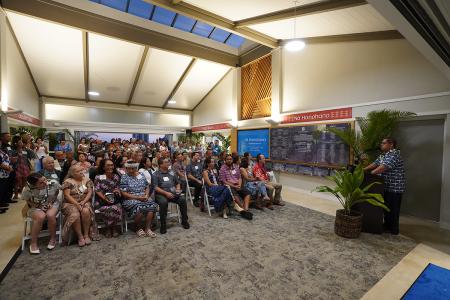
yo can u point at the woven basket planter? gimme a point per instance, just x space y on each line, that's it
348 226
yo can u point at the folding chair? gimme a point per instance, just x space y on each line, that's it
29 224
208 204
171 212
188 189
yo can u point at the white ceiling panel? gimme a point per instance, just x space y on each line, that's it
357 19
113 65
200 80
54 54
237 9
160 74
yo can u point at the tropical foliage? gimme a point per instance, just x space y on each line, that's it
226 141
373 128
348 189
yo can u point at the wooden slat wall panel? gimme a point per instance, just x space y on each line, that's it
256 89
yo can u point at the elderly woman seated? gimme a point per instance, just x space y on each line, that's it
43 203
136 199
77 209
107 184
48 170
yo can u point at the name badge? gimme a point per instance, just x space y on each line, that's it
196 167
139 176
166 178
8 148
170 167
55 176
24 152
233 172
102 177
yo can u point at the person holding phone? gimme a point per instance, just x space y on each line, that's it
107 190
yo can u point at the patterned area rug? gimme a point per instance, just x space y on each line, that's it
288 253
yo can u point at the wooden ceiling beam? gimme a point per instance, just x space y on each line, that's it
303 10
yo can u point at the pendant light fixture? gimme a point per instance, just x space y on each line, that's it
295 44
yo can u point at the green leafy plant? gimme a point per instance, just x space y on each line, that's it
348 189
226 141
373 128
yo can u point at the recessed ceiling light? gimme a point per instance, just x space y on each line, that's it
172 102
94 93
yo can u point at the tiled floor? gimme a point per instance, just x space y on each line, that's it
434 243
11 229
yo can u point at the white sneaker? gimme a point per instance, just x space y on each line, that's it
225 214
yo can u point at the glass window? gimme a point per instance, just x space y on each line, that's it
163 16
117 4
202 29
219 35
184 23
140 8
235 41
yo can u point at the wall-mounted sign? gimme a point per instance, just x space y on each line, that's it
211 127
24 118
323 115
254 141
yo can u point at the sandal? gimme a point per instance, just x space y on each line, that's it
81 242
87 240
150 233
141 233
51 245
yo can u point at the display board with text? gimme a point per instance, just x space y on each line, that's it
308 145
253 141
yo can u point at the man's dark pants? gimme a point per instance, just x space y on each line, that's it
391 218
163 203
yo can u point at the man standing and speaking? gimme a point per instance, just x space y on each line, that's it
389 165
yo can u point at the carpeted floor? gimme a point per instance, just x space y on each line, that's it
289 253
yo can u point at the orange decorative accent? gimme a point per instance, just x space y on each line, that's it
256 89
211 127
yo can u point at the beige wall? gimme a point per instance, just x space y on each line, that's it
338 74
218 106
113 120
20 89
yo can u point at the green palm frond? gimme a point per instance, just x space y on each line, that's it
348 189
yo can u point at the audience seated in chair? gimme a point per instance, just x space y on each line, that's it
260 172
107 190
43 202
136 199
194 175
49 171
77 208
230 175
180 169
257 188
167 189
221 194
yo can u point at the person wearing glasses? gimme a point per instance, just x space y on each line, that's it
389 165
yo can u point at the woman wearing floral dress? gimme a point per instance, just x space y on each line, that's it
107 184
77 208
136 199
22 166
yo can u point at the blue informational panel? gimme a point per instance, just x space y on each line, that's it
253 141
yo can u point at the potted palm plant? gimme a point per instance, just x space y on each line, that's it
349 191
